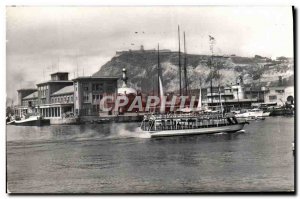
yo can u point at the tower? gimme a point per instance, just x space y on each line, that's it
124 77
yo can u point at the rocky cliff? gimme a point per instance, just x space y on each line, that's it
142 69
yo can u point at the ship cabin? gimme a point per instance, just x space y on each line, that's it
185 121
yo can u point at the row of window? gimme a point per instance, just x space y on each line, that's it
43 93
279 91
98 87
272 97
43 90
86 98
97 97
29 102
62 99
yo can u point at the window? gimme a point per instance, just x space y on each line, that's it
96 87
86 98
94 108
85 87
272 97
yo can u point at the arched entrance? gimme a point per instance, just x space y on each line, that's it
290 99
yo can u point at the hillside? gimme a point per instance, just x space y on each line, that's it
142 69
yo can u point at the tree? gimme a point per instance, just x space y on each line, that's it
256 72
9 111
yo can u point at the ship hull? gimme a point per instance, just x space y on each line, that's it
57 121
228 129
32 122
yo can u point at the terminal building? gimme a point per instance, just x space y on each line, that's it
60 97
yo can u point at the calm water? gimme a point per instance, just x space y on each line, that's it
117 159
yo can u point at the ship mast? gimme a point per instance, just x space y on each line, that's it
184 67
211 42
158 70
179 61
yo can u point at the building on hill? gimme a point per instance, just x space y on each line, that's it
142 50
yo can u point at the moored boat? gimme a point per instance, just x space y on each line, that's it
174 125
252 114
32 120
266 114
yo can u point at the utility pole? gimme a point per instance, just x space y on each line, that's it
211 43
237 93
179 61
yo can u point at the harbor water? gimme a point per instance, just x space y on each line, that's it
118 158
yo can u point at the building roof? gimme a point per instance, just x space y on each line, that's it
27 89
59 73
64 90
54 81
32 95
96 78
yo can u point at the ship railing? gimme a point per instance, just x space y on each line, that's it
174 124
203 116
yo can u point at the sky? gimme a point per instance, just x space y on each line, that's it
79 40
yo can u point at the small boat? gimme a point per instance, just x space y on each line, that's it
174 125
252 114
32 120
10 122
266 114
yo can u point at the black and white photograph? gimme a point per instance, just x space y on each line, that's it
150 99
